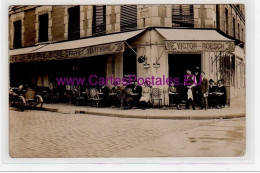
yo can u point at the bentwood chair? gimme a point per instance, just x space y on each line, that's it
94 96
78 98
156 96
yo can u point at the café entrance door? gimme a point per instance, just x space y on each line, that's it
178 63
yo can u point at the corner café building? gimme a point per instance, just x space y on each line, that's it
167 52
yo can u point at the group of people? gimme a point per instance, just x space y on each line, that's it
132 95
198 91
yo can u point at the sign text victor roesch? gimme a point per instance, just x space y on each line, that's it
70 53
199 46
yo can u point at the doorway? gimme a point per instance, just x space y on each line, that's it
178 63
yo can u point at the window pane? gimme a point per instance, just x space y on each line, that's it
17 34
74 23
43 27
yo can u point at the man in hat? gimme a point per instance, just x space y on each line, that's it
197 90
204 86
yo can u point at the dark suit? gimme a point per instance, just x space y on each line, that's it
212 99
138 89
204 89
222 98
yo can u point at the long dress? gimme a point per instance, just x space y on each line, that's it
146 95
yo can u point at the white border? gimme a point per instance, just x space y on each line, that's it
177 163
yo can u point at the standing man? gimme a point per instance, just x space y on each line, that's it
204 91
189 82
197 90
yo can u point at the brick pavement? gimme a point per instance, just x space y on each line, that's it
48 134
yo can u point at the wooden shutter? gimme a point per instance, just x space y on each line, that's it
128 19
99 19
182 16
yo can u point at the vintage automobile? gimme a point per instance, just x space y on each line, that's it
24 97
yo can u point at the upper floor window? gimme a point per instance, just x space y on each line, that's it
234 27
226 20
17 34
74 23
128 19
238 30
182 16
43 28
99 20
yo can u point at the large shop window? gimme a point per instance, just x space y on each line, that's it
43 28
182 16
74 23
227 69
17 34
99 20
128 19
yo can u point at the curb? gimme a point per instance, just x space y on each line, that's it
51 109
176 117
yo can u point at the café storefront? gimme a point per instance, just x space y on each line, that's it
166 52
43 64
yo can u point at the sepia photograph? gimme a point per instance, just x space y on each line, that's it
127 81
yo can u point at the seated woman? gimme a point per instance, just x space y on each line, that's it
221 94
174 96
145 99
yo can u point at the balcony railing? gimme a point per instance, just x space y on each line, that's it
182 16
99 29
183 21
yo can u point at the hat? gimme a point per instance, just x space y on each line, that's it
211 80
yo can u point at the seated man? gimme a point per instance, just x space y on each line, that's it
174 96
212 102
105 90
138 91
221 94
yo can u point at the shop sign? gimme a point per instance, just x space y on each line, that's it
111 48
199 46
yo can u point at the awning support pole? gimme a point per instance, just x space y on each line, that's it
130 47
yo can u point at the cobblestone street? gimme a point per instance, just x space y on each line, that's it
48 134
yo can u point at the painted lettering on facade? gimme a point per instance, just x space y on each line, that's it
199 46
70 53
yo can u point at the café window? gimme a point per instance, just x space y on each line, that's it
74 23
128 19
182 16
99 20
43 27
17 34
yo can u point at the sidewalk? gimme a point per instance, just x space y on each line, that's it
237 109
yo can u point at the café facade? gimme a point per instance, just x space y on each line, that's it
153 51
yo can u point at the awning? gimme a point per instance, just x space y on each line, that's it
102 45
239 52
195 40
